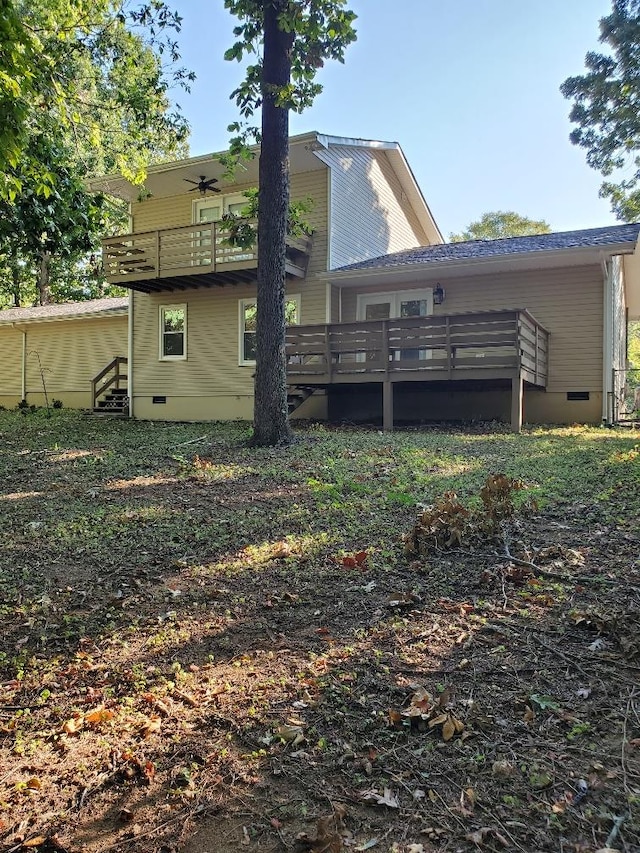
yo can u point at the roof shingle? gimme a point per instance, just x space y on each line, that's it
590 237
58 310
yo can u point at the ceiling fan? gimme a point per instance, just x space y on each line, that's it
203 185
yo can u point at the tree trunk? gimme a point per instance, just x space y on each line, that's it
271 416
44 279
15 279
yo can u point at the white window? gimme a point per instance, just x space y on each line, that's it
211 209
173 332
247 323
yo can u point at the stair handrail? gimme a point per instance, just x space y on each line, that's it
114 365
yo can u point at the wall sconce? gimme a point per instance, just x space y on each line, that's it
438 294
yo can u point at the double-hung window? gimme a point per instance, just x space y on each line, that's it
173 332
247 322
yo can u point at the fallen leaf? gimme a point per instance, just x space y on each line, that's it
151 726
395 717
100 715
72 726
387 798
290 734
367 844
34 842
478 836
281 550
246 840
34 784
448 729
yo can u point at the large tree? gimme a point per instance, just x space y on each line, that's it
606 108
497 224
291 40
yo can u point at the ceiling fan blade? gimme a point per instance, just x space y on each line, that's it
188 181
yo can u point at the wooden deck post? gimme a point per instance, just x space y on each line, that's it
387 406
517 396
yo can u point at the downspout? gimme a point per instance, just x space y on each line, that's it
607 339
130 354
23 367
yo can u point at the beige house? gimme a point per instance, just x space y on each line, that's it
386 321
192 307
60 348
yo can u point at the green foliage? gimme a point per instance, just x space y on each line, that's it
495 225
82 69
241 228
321 30
83 91
605 108
634 344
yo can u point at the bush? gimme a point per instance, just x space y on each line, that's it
57 404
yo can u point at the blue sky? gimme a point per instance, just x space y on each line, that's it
469 88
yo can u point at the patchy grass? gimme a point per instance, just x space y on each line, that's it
211 647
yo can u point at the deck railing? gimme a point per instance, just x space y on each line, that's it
185 251
435 347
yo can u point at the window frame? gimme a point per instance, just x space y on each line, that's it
162 309
225 201
252 300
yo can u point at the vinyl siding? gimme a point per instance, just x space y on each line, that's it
11 365
568 302
211 383
369 215
211 367
176 211
71 352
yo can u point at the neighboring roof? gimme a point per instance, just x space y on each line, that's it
66 310
614 235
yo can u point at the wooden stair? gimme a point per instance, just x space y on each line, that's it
116 402
109 389
296 396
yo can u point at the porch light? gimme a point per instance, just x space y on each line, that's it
438 294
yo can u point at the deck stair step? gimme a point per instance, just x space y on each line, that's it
115 402
296 396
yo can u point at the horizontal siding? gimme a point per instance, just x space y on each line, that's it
71 353
568 302
212 314
369 214
211 367
176 211
10 361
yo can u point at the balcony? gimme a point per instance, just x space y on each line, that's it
191 256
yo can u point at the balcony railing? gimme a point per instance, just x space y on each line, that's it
171 257
494 344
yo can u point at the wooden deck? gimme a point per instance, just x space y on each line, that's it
191 256
455 347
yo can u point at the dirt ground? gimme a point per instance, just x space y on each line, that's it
210 649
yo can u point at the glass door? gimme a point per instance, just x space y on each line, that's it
205 210
387 306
